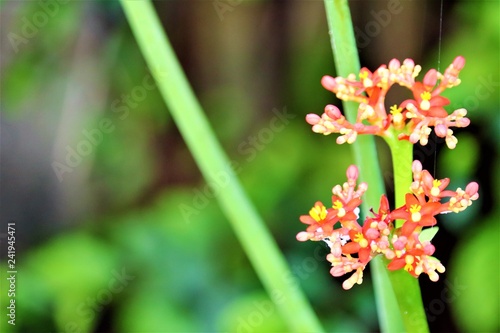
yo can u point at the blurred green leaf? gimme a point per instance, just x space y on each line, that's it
69 270
478 40
460 163
474 273
150 311
253 312
428 234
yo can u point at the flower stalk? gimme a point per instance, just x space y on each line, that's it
256 240
405 286
345 56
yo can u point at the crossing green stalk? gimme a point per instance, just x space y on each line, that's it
187 113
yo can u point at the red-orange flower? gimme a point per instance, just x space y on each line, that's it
319 222
416 213
427 104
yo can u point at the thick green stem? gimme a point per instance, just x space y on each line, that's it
345 55
399 302
405 286
402 159
186 111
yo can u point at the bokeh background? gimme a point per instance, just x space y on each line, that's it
116 231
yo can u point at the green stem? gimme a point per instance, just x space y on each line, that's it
394 290
186 111
402 159
405 286
346 60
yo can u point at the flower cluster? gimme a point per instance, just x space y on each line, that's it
353 245
411 120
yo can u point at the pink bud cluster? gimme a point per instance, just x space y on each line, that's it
411 120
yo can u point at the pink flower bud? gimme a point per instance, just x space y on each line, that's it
337 271
302 236
414 137
332 111
328 82
337 189
372 233
429 249
341 140
390 254
352 172
427 178
430 79
363 187
409 63
441 130
433 276
463 122
312 119
416 166
319 129
472 188
459 62
398 245
382 225
394 64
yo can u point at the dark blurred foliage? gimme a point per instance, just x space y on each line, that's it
104 240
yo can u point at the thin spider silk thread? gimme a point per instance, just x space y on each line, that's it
438 69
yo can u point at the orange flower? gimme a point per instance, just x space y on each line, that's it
416 214
427 104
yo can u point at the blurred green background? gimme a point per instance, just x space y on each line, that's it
116 231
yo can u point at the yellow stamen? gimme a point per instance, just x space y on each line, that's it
361 240
426 97
415 212
367 82
340 207
318 213
415 208
395 110
435 188
409 261
337 204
